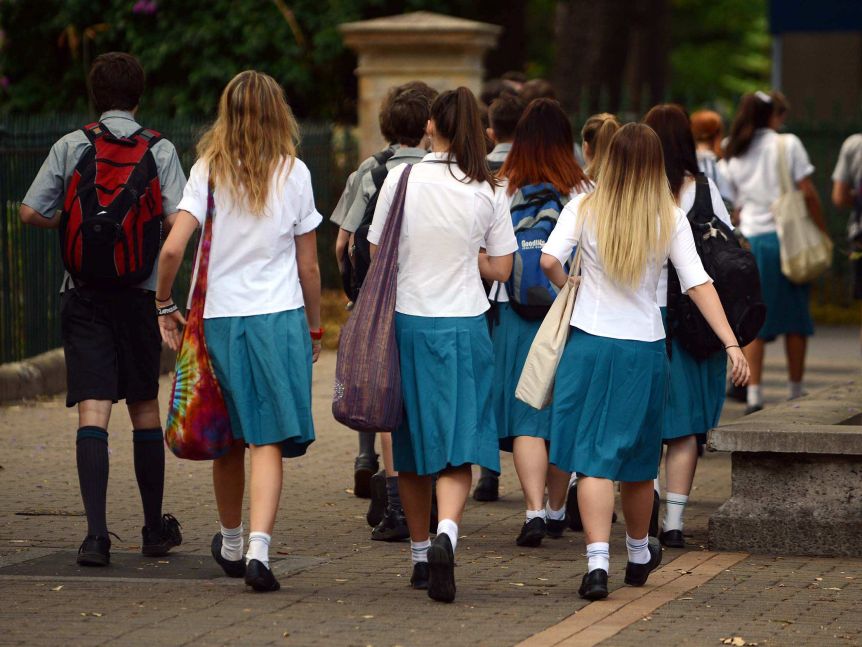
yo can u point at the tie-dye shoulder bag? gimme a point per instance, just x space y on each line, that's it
198 426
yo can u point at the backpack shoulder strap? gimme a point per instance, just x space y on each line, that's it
701 210
381 157
152 137
94 131
378 175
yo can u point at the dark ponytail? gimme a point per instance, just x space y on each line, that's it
755 111
456 117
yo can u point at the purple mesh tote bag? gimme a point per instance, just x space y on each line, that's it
367 372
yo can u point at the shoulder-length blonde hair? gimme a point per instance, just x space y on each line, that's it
254 134
632 209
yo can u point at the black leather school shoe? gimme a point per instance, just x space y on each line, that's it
441 569
594 586
487 489
419 579
230 567
393 527
637 574
554 528
672 539
260 578
157 543
379 499
532 533
364 467
95 550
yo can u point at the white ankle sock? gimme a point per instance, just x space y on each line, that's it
231 543
598 556
573 479
638 549
258 547
656 486
795 390
450 528
555 515
673 511
532 514
753 395
419 550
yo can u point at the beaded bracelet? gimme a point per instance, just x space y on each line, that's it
732 346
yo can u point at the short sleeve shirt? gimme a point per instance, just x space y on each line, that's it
447 220
753 179
849 166
366 188
48 189
252 266
607 309
351 188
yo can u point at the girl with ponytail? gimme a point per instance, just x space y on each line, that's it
454 216
751 169
596 137
608 406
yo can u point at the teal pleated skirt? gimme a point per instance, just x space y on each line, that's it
447 370
695 392
511 336
608 410
787 309
263 364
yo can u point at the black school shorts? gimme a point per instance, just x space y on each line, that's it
112 344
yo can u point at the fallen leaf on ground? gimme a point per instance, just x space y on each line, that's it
337 579
368 617
516 583
57 588
832 588
736 641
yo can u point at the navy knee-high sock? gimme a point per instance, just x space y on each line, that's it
91 451
150 472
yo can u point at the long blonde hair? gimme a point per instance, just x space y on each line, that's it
254 134
632 209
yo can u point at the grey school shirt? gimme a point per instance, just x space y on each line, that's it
48 190
365 185
849 166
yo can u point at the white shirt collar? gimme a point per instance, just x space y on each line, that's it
117 114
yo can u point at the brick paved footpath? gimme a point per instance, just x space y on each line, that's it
340 588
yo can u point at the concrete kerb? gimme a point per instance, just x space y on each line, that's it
796 465
45 375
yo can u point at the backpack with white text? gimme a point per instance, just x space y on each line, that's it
535 211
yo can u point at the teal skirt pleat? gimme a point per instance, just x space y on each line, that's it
263 364
787 308
608 409
695 393
447 368
512 336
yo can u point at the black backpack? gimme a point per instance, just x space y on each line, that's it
495 166
353 272
734 274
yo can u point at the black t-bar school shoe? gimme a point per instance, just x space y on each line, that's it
594 586
259 577
637 574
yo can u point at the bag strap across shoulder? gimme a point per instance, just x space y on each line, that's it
783 170
203 256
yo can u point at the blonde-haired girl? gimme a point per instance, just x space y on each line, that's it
611 385
262 314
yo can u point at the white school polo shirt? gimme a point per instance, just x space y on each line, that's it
446 222
753 178
607 309
686 202
252 266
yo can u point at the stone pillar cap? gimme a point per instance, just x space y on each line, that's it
419 28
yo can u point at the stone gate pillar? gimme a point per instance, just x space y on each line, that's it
443 51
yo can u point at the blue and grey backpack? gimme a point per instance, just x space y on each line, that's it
535 211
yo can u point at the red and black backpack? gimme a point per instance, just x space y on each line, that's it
111 225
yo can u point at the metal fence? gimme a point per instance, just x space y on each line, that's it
30 266
31 271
